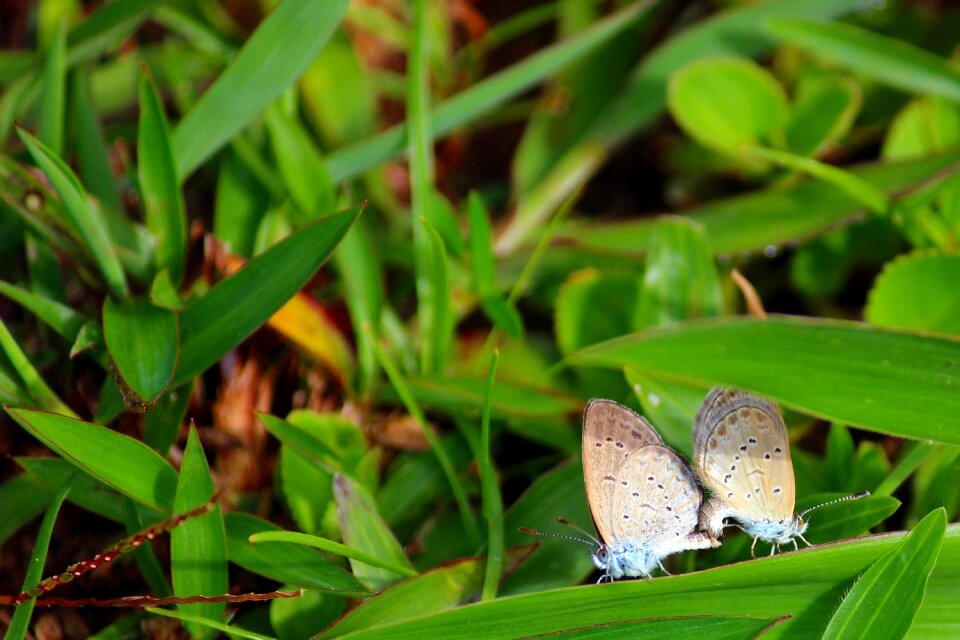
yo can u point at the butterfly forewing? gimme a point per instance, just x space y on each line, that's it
656 497
742 454
611 432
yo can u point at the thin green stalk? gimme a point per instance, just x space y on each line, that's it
492 500
459 493
915 453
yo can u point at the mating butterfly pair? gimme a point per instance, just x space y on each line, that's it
647 504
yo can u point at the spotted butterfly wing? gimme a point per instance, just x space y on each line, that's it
656 499
742 455
611 432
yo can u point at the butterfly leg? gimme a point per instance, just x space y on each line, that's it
774 546
752 547
665 572
796 547
805 541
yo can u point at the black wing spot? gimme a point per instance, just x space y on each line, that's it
626 517
623 482
776 489
609 439
619 445
599 444
766 456
743 447
659 486
777 450
730 494
635 494
650 478
669 508
752 440
733 467
727 477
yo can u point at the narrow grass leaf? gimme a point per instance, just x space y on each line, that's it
303 442
117 460
277 53
912 456
768 218
436 590
485 96
30 378
356 260
870 196
892 382
433 301
197 623
330 546
143 342
885 59
436 445
164 211
198 549
300 164
93 161
233 309
287 563
510 399
885 599
364 529
83 218
53 104
713 627
19 622
492 499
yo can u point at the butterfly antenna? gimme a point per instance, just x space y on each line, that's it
534 532
855 496
580 529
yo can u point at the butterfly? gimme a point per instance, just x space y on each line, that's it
643 497
742 456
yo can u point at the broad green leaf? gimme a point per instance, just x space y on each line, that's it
556 562
767 219
143 343
287 563
318 452
233 309
680 281
714 627
281 48
806 585
918 291
18 624
307 491
925 126
823 113
164 210
615 293
727 103
844 519
363 528
888 381
670 405
117 460
198 547
313 610
885 599
83 218
888 60
436 590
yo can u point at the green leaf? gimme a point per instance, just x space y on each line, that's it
888 381
925 126
727 103
18 624
363 529
887 60
287 563
198 548
331 546
281 48
117 460
143 343
509 398
436 590
483 97
884 601
52 105
764 220
806 585
714 627
25 372
83 218
844 519
197 623
681 281
823 113
433 301
23 497
927 279
235 307
164 210
870 196
670 405
93 159
300 163
492 498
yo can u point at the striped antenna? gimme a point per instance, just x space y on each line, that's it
855 496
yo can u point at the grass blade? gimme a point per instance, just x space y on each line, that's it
331 546
277 53
492 500
143 341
